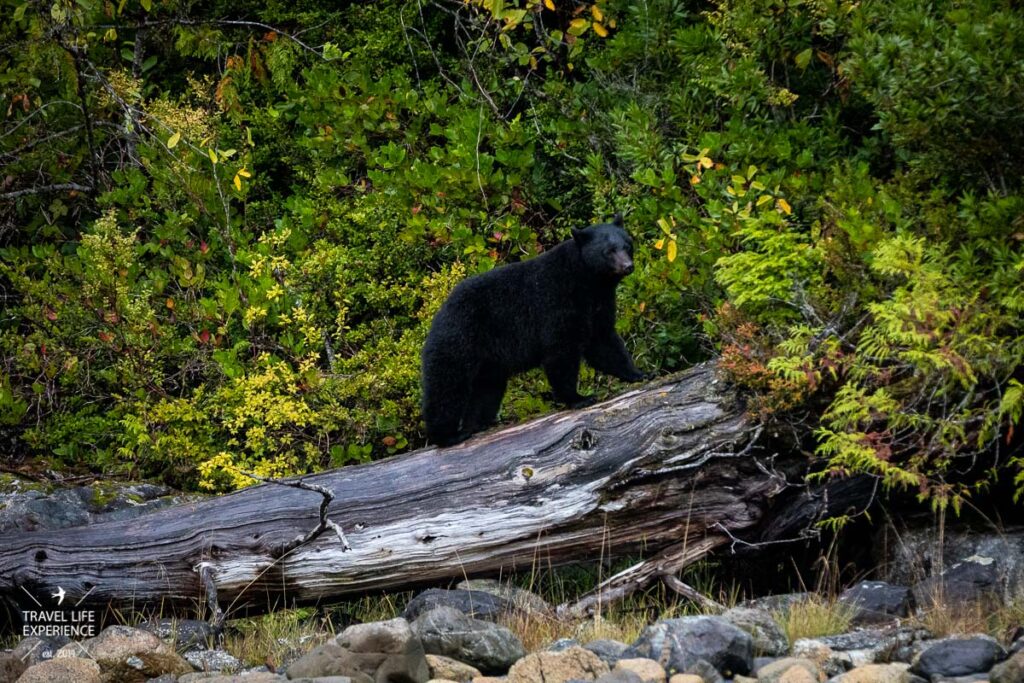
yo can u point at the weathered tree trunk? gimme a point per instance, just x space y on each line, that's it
668 467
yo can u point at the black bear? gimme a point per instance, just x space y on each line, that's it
549 311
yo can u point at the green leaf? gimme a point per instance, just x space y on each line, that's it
803 59
19 12
146 4
173 140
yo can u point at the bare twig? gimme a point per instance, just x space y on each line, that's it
667 562
691 594
41 189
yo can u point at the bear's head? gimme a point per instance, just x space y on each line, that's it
606 249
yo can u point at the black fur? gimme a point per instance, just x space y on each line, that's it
550 311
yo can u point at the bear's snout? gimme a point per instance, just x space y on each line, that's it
622 263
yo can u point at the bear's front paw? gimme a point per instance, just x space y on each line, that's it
638 376
583 402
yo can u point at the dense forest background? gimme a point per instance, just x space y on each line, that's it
224 227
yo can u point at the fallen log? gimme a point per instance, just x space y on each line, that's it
669 470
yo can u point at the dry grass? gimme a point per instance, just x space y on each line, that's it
537 630
814 618
276 637
996 620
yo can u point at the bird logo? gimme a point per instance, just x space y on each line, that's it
59 595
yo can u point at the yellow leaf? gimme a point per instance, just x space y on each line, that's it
600 30
659 244
245 174
238 183
671 252
706 162
694 179
213 155
550 5
173 140
763 199
578 26
663 224
642 306
611 24
170 303
784 205
596 11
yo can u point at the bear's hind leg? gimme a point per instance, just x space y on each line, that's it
485 400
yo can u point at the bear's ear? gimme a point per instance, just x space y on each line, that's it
580 235
617 220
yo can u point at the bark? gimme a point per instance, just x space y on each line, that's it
669 470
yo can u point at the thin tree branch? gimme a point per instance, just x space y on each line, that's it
57 187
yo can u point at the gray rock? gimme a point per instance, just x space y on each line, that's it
34 649
519 598
11 667
830 662
678 644
763 661
562 644
213 660
379 651
762 627
1010 671
485 645
974 580
128 654
915 649
973 678
255 677
183 634
777 603
705 670
836 654
618 677
476 604
610 651
914 555
951 657
878 601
